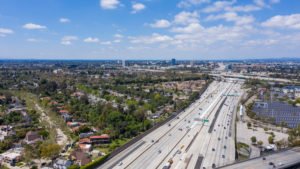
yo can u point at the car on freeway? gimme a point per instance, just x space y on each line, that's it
280 164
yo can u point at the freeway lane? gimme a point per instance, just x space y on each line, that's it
172 139
281 160
202 141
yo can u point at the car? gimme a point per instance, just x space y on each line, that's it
223 156
121 163
178 117
152 141
271 163
219 138
189 121
226 137
224 127
169 124
213 149
213 165
225 147
264 158
280 164
159 151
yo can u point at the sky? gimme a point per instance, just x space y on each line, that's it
149 29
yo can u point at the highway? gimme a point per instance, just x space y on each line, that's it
186 139
278 160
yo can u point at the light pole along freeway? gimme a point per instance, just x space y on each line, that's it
155 148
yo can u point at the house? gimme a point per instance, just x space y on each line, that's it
85 135
12 155
64 112
79 157
62 164
32 137
67 117
73 124
102 139
85 141
85 147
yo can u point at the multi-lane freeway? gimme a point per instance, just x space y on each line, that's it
279 160
200 136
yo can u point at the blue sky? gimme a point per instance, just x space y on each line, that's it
149 29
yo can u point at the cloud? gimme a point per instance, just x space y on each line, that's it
283 21
32 26
109 4
106 43
32 40
185 18
117 40
260 3
218 6
154 38
243 8
191 28
64 20
4 32
67 40
136 7
91 40
232 17
189 3
118 36
162 23
274 1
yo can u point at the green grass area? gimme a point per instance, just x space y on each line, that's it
242 145
87 89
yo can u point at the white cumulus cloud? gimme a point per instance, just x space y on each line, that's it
91 40
109 4
185 18
67 40
64 20
283 21
162 23
189 3
136 7
4 32
32 26
233 17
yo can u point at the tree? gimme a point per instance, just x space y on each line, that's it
271 140
260 143
294 136
74 167
49 150
253 139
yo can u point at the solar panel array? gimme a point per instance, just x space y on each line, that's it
281 112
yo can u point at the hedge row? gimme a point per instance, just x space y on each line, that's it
95 163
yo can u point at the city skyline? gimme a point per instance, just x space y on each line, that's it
149 29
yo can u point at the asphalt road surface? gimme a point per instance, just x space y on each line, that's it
277 160
187 140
